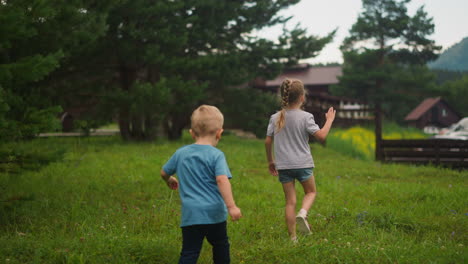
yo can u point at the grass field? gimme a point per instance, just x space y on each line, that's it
102 201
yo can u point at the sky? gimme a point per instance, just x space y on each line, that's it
320 17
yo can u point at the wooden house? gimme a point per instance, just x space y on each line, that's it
432 112
317 81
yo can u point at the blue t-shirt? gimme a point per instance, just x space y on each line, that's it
196 167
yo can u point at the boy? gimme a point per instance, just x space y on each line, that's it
205 190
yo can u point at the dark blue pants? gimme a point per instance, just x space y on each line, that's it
193 236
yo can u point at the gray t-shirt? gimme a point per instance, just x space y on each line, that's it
291 143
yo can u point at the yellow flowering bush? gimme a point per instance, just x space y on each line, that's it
360 142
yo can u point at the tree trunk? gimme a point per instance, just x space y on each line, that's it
174 134
127 78
174 127
137 128
378 106
151 129
124 125
175 131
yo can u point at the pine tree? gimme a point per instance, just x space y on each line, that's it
37 36
456 94
385 59
160 59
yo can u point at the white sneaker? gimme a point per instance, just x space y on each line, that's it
303 225
294 240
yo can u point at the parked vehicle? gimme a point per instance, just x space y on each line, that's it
456 131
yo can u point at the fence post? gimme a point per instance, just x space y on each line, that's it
378 133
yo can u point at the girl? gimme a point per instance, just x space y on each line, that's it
290 129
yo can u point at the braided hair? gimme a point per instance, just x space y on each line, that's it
291 90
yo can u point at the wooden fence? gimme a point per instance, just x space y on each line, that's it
442 152
344 117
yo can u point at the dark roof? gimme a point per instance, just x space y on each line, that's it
422 108
309 75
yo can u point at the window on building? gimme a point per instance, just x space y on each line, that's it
444 112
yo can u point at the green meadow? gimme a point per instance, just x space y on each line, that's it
101 200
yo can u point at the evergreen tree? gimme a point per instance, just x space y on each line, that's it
37 36
456 94
444 76
385 57
160 59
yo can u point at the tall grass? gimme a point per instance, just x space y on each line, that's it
104 202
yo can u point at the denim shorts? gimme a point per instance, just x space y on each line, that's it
295 174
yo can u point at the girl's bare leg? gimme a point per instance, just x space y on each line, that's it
310 192
290 209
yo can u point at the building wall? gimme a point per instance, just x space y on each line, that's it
317 89
445 115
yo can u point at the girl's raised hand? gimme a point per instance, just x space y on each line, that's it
330 115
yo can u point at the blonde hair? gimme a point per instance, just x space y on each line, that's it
206 120
291 90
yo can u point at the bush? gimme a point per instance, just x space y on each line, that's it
359 142
19 119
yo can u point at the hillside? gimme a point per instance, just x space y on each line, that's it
454 58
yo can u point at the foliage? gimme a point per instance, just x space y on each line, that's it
37 36
105 203
3 109
409 87
85 125
145 105
455 58
385 56
327 64
456 93
248 109
447 75
147 63
200 48
357 142
29 122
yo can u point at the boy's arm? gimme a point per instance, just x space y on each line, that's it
271 162
170 180
226 192
322 134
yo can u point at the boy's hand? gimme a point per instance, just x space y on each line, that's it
172 183
235 213
330 115
272 169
